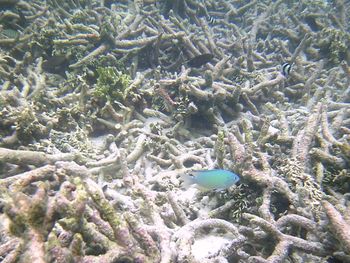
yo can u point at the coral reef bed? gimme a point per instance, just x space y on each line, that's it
105 105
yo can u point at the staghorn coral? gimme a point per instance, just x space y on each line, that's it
101 115
340 227
302 183
41 217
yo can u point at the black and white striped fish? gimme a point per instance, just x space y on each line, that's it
286 67
211 20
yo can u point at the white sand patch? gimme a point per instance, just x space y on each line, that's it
98 142
207 246
188 195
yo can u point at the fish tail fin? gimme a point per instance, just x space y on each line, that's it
187 180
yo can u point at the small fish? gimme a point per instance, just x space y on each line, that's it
56 64
216 179
7 4
211 20
200 60
333 260
286 67
10 33
312 23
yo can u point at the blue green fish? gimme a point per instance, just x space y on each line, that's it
216 179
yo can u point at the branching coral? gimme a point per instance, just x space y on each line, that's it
103 113
41 220
339 226
285 242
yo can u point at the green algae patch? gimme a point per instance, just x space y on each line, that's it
111 84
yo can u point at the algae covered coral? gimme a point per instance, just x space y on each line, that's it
111 84
101 114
